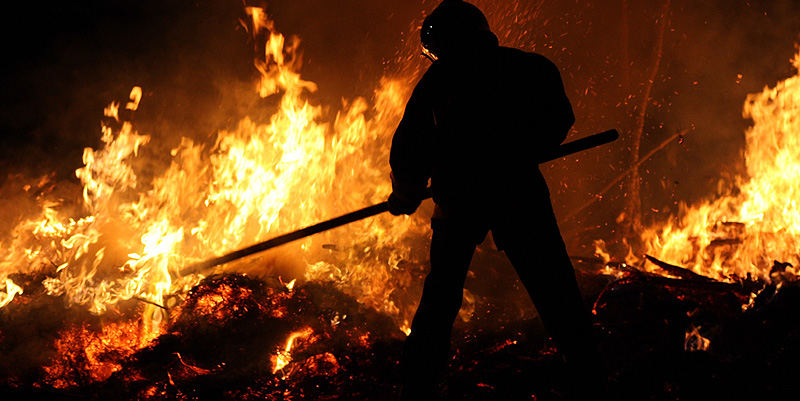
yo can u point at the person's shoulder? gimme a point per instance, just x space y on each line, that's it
524 56
430 77
428 82
527 60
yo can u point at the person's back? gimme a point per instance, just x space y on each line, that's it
477 125
495 115
482 123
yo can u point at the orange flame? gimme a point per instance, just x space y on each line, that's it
83 354
284 357
742 234
255 182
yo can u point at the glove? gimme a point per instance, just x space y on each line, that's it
399 205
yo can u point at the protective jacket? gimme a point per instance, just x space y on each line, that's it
476 126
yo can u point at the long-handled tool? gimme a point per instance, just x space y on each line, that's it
563 150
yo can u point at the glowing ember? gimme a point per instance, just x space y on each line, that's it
86 355
694 341
741 235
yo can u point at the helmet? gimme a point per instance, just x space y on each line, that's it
454 25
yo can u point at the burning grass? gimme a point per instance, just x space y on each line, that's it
222 341
92 305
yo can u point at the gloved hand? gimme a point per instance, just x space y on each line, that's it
399 205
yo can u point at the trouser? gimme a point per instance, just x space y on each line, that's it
533 244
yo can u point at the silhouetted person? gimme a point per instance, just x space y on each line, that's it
475 125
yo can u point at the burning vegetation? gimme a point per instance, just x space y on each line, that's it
120 261
94 305
740 236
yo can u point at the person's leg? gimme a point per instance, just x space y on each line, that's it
426 350
555 294
534 246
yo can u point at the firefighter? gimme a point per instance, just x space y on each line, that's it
474 126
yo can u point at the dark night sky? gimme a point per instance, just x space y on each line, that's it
66 60
62 62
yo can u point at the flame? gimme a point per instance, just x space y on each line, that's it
253 182
11 291
742 235
284 356
136 97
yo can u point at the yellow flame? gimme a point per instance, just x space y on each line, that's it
136 97
11 291
112 110
284 356
740 235
253 182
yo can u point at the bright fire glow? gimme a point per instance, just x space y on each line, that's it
252 183
284 356
744 233
11 291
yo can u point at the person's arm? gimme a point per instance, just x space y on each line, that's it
411 157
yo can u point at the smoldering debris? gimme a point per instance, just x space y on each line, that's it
224 336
